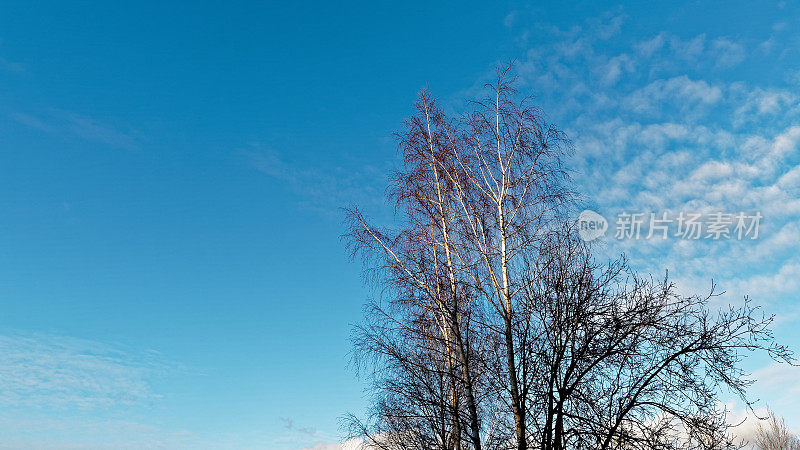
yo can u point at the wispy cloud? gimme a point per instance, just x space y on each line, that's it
727 53
54 372
90 432
64 392
302 436
350 444
290 425
73 125
324 188
680 133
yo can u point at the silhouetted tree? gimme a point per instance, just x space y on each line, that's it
626 362
495 326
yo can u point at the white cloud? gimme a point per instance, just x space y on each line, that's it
652 97
690 49
350 444
790 179
650 46
763 102
611 72
786 142
712 170
665 139
786 280
778 377
728 53
610 27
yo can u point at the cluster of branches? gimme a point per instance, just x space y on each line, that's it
773 435
495 326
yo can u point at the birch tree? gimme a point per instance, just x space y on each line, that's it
773 435
423 274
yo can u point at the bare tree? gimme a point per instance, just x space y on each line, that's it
510 186
626 362
478 193
495 326
775 436
423 277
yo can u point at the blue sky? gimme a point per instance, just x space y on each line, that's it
171 269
